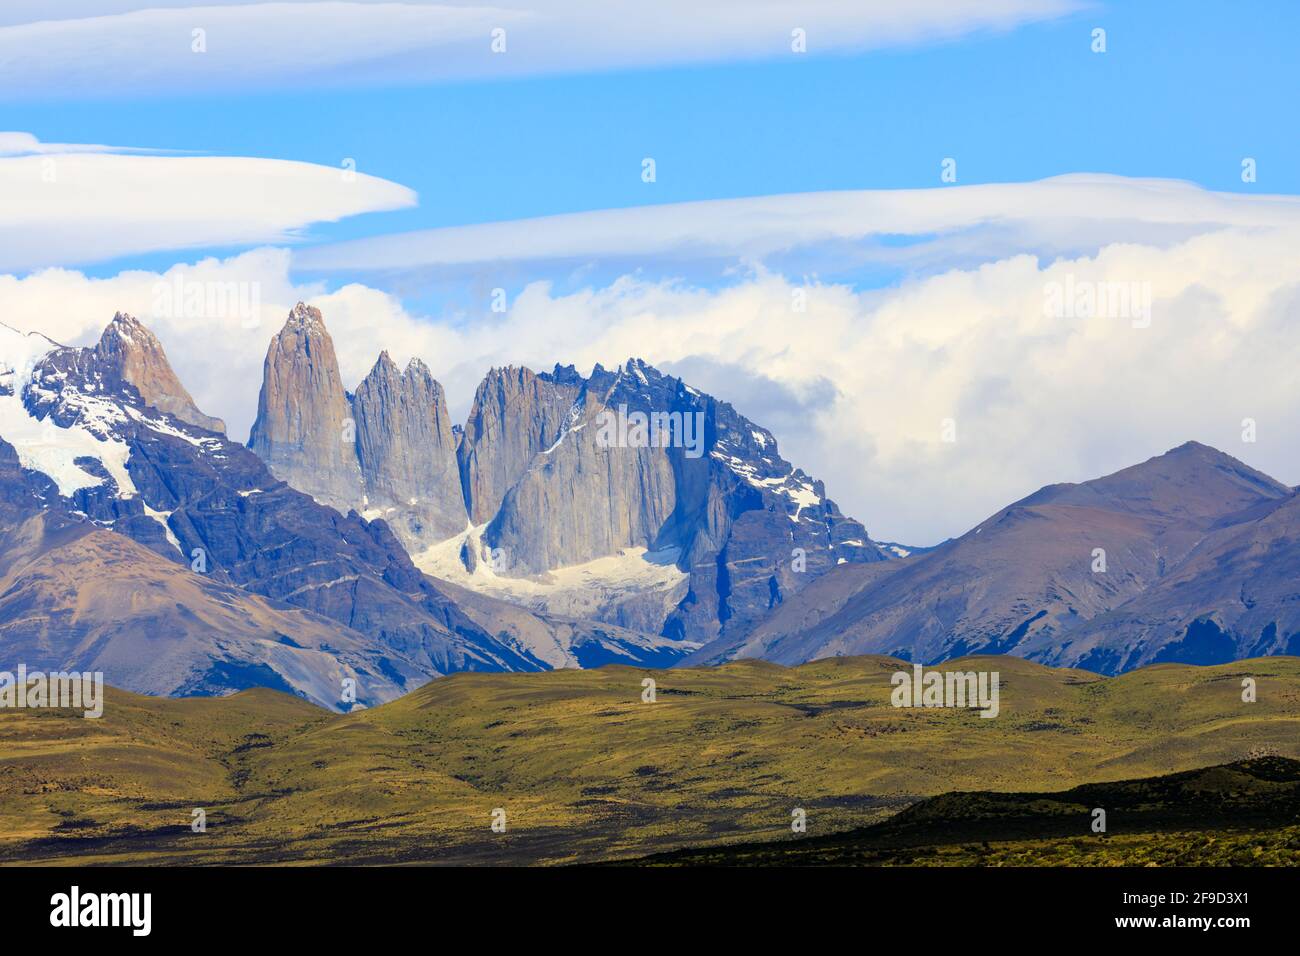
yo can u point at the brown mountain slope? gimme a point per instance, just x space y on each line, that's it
82 598
1236 595
1025 578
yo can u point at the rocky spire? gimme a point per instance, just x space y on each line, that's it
134 354
516 414
407 452
304 429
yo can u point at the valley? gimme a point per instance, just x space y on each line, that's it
585 771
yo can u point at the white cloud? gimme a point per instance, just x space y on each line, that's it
25 144
62 204
856 386
1057 214
1036 399
119 47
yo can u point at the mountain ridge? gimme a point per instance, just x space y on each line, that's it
1027 580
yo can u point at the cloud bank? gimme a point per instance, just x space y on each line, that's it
857 385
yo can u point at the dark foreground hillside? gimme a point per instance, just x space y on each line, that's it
1243 813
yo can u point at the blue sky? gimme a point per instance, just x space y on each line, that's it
1184 91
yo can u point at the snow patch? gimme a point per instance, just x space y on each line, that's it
804 497
162 518
563 435
629 568
163 428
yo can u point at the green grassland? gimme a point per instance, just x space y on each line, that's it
588 772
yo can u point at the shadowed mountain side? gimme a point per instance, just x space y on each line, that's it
1235 596
1246 812
586 770
1028 579
90 450
824 608
82 598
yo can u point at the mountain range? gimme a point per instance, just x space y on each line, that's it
530 486
361 535
294 593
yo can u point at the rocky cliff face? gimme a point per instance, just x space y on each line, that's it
516 415
646 461
386 452
304 429
407 452
134 353
582 497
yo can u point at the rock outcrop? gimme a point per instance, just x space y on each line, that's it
255 581
388 451
516 415
554 470
136 356
407 452
646 461
304 429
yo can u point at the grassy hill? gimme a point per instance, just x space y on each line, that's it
585 771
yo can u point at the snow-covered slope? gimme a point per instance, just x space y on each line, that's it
62 453
635 588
